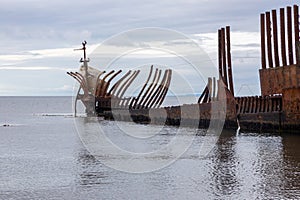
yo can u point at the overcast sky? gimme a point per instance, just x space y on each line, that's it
38 37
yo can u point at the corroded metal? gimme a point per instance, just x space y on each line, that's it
128 83
165 85
262 41
81 81
140 103
277 106
97 80
223 44
158 91
209 88
214 89
282 36
165 90
220 53
105 86
205 91
116 85
296 30
275 38
290 35
101 83
269 45
258 104
134 101
230 76
147 99
118 90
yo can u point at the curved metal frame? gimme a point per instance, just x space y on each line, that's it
135 100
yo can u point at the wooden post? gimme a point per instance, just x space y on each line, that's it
202 95
262 41
266 105
290 35
269 46
224 58
250 104
254 104
206 96
210 87
270 104
280 104
244 104
298 52
263 102
275 38
237 101
247 102
258 104
241 104
214 88
282 34
230 78
274 104
296 29
220 53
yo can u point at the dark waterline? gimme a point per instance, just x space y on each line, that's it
42 157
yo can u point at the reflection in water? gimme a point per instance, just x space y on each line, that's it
88 170
269 167
250 166
291 159
224 166
240 167
45 159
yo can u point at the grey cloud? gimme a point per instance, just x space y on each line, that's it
247 45
40 24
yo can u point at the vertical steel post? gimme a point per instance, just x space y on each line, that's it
220 54
269 45
275 37
224 57
262 41
282 34
230 78
290 35
214 88
296 30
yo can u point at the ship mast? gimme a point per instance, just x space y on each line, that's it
85 61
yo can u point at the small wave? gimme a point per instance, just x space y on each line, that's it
66 115
55 114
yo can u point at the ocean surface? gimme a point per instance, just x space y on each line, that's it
42 156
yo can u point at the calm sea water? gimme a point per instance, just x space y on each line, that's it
42 157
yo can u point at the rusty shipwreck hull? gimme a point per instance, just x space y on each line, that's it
172 116
276 109
256 114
